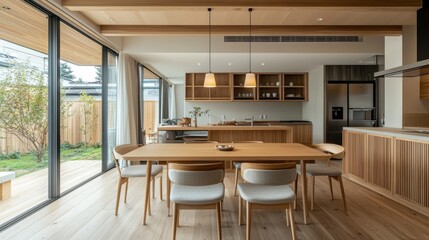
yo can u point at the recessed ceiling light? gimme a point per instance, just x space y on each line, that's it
199 64
262 64
229 64
6 8
319 19
111 19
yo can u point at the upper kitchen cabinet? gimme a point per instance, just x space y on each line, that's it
287 87
350 72
295 87
196 91
424 87
269 85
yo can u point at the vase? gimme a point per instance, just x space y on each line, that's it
195 122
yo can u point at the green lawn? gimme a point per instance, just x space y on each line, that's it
27 162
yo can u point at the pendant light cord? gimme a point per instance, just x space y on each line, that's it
250 40
210 40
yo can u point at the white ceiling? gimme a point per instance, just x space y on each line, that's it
173 56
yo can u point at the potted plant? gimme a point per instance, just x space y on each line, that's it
197 112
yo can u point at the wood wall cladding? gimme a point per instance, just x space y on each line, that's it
424 87
412 171
380 160
355 145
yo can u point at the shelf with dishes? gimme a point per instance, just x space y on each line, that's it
230 87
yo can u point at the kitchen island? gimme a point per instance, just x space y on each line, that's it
227 134
391 161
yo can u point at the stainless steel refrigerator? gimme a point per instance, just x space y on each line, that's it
350 104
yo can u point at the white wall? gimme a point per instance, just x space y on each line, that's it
180 100
241 110
393 86
313 110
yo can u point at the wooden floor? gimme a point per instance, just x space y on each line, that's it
32 189
88 213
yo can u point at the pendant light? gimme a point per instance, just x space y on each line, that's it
250 80
209 80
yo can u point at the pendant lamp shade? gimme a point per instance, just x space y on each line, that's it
209 80
250 80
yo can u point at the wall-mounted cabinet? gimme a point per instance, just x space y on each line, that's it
230 87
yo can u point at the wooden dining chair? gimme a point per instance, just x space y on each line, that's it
314 170
196 186
267 187
237 166
126 171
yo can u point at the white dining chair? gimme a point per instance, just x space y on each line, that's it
267 187
126 171
196 186
314 170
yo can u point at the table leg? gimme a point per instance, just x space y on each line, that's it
168 192
304 190
147 192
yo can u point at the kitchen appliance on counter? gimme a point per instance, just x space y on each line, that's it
349 104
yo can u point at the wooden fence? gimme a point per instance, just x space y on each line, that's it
71 126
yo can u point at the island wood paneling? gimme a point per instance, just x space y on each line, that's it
302 134
355 154
412 171
380 160
267 136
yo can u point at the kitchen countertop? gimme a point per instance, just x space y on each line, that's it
393 132
224 127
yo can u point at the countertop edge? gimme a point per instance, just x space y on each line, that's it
392 132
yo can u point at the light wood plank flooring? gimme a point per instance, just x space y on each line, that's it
88 213
32 189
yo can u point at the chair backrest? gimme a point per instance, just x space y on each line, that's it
247 142
120 150
336 151
269 173
196 174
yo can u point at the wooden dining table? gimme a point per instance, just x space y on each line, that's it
245 152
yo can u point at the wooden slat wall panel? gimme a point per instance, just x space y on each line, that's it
302 134
380 159
424 87
412 171
356 154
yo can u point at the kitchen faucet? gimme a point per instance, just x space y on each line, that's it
251 120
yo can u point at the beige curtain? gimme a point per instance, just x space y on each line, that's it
127 131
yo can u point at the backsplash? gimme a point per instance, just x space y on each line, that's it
241 110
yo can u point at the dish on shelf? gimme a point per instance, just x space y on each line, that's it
290 95
225 147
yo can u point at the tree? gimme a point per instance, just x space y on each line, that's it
66 73
87 109
99 74
24 106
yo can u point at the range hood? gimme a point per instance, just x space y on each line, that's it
421 67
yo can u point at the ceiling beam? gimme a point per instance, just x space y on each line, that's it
84 5
136 30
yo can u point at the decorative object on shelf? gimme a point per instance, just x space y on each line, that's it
277 84
197 112
274 94
225 147
268 94
185 122
291 84
209 80
250 80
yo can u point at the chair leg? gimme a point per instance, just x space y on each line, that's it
287 218
219 221
235 182
340 179
160 187
175 219
126 191
168 193
295 190
240 201
292 222
150 213
153 187
330 187
118 196
313 181
248 219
